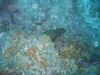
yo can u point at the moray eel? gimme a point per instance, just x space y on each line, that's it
54 33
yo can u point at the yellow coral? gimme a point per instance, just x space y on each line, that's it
67 51
31 51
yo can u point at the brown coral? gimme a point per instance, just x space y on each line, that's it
4 73
8 51
31 51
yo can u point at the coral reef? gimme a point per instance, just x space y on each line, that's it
49 37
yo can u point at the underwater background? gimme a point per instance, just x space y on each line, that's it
49 37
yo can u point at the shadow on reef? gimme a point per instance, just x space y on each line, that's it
5 3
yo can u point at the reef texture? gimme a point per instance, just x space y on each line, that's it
49 37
